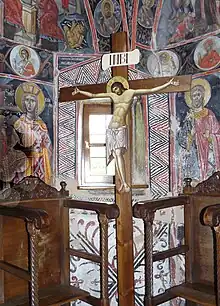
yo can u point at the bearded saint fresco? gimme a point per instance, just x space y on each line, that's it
199 135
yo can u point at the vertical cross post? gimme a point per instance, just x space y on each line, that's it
124 224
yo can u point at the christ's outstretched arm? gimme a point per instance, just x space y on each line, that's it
91 95
155 89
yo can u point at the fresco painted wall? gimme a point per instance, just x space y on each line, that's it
48 44
197 137
26 110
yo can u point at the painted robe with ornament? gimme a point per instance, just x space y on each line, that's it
12 162
26 68
37 146
13 13
200 139
209 60
49 27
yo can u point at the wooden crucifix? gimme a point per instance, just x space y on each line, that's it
116 86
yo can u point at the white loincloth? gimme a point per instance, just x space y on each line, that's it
116 139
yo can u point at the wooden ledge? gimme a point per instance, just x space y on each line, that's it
198 293
143 208
110 210
38 216
53 296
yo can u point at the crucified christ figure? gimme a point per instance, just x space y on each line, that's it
117 133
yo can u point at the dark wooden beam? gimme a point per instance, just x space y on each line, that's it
124 223
185 85
66 92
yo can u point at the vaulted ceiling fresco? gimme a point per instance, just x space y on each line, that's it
174 36
58 43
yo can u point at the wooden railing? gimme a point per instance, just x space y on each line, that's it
105 212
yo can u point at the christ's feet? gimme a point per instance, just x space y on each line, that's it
124 188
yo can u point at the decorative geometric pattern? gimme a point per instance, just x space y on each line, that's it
67 78
67 140
158 127
84 74
88 74
104 76
134 74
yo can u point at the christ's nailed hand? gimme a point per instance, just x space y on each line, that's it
175 83
76 91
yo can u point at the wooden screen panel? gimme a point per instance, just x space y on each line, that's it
15 248
202 237
15 245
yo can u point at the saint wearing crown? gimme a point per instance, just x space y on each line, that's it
33 133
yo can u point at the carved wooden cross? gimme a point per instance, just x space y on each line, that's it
124 228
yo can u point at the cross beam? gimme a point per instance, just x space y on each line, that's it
184 85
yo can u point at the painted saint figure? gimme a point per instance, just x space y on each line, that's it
211 58
50 32
108 21
199 135
145 14
163 65
117 135
13 17
34 137
206 12
24 66
14 24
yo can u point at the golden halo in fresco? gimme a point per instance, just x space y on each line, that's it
199 82
33 90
